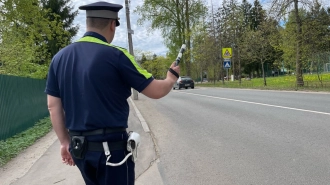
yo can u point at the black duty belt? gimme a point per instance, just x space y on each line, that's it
98 146
97 132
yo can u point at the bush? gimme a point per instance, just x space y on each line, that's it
11 147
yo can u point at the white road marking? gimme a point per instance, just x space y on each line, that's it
255 103
279 91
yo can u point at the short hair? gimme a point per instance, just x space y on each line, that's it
99 23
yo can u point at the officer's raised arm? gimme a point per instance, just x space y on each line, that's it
160 88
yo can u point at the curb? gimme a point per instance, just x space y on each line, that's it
152 175
139 115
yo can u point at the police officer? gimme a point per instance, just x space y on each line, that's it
87 88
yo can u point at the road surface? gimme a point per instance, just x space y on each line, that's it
215 136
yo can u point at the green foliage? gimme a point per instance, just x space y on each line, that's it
246 9
158 66
277 83
201 51
230 26
256 37
174 19
143 59
11 147
21 21
281 8
25 29
288 45
61 12
316 34
257 16
315 31
262 50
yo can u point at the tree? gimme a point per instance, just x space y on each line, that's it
246 25
142 56
260 39
158 66
246 8
60 11
175 19
280 8
143 59
23 23
232 21
316 39
201 51
316 30
253 17
258 14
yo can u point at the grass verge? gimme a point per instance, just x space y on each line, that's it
13 146
311 83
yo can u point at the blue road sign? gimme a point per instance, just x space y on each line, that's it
226 64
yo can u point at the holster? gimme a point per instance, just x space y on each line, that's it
78 146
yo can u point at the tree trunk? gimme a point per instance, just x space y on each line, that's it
214 75
263 73
299 77
257 70
181 31
318 69
202 76
188 39
239 67
233 61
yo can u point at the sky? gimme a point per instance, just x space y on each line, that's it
144 39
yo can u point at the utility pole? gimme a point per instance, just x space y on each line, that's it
216 45
215 39
130 42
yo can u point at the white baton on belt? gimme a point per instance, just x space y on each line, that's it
133 143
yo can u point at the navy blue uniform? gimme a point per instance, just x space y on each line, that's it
94 80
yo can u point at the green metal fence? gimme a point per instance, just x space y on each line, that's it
22 103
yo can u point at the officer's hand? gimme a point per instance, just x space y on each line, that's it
66 156
176 69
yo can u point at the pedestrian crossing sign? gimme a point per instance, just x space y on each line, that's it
226 64
226 52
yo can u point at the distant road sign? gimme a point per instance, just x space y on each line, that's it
226 63
226 52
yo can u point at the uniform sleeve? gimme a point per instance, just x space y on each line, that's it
133 74
52 87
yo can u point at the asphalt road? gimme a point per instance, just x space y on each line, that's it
214 136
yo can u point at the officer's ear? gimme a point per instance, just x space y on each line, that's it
113 25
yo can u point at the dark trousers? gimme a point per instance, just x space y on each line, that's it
93 167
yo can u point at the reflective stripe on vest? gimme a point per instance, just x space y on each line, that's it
126 53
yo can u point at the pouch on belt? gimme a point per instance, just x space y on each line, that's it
78 146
